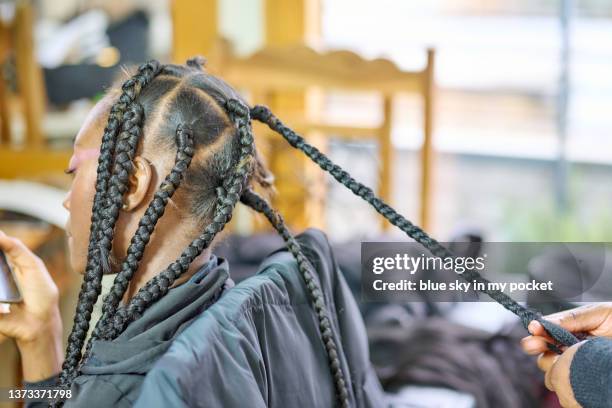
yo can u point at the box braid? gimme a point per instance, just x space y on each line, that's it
264 115
127 143
119 146
155 210
146 225
260 205
126 146
91 286
227 197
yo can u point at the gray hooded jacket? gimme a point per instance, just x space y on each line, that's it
258 345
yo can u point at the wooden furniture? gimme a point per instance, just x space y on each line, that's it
299 68
194 28
280 79
29 157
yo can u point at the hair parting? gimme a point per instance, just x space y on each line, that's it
227 197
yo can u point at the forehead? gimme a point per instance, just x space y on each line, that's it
90 134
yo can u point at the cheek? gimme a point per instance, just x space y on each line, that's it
81 200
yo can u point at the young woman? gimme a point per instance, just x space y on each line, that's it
157 168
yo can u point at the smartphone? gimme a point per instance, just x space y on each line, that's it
9 292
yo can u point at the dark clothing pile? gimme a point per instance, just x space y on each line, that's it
434 351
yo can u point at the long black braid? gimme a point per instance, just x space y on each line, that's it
91 286
127 143
264 115
117 152
253 200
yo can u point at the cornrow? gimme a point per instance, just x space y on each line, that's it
264 115
146 225
260 205
227 197
91 286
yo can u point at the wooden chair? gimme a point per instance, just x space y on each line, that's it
31 158
300 68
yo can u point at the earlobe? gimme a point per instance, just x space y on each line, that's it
139 183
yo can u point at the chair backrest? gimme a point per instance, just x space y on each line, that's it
17 38
32 159
299 68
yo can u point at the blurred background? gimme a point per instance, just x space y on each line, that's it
490 118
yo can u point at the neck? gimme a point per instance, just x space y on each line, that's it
164 248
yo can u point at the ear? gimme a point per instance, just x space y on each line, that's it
139 183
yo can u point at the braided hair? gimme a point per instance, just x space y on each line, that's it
228 195
264 115
188 101
183 109
259 204
209 127
92 280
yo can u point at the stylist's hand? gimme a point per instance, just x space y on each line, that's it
35 323
593 320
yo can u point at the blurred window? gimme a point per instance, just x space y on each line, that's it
498 69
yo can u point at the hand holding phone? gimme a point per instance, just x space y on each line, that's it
34 313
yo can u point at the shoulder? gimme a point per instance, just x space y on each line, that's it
315 239
254 326
315 245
